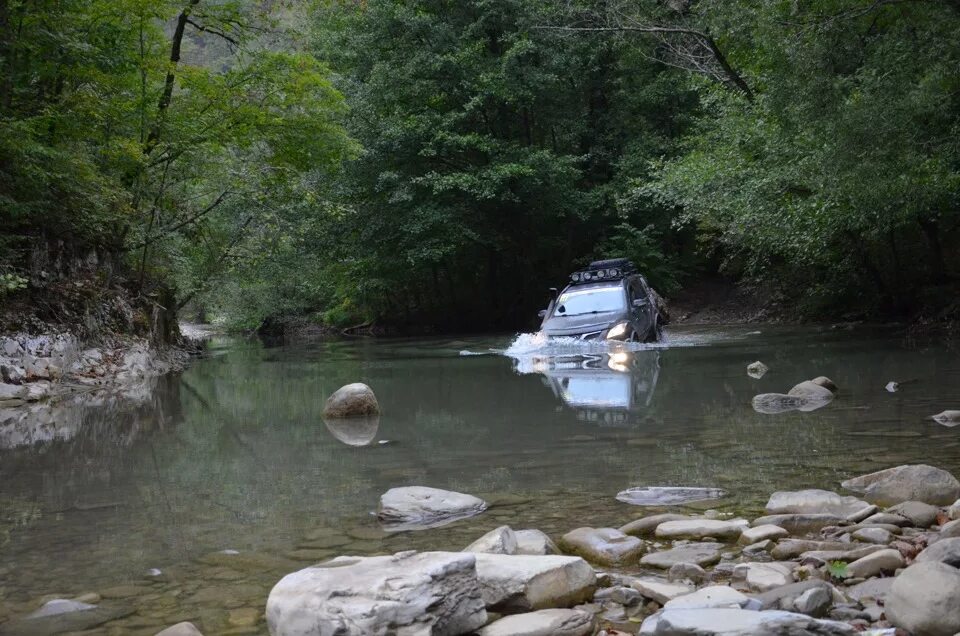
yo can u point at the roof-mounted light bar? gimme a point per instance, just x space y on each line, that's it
603 274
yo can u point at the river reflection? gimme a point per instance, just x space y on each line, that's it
234 454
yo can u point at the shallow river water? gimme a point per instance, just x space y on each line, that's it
226 477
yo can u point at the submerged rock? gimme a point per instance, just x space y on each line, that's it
912 482
420 507
430 592
549 622
354 431
352 400
809 395
64 616
667 495
947 418
757 369
924 600
522 583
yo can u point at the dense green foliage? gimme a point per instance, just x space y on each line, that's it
438 163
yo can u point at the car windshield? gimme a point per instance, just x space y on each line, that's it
591 300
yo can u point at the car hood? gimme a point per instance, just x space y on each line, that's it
585 323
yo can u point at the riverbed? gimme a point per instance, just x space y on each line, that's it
190 499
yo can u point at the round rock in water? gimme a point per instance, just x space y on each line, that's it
354 431
667 495
352 400
420 507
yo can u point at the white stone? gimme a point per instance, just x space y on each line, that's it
739 622
761 577
500 540
762 533
549 622
815 501
534 542
711 596
757 369
947 418
60 606
526 582
181 629
873 564
700 528
417 507
659 591
435 593
925 600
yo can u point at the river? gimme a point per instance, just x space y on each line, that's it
232 455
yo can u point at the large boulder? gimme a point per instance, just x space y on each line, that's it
925 600
520 583
603 546
549 622
419 507
912 482
435 593
943 551
701 528
739 622
814 501
352 400
667 495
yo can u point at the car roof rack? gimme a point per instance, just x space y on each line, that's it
601 271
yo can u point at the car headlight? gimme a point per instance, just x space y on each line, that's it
617 331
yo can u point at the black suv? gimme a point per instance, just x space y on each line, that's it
607 301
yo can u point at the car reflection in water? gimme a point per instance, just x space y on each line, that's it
602 388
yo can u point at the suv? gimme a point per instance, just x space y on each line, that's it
607 301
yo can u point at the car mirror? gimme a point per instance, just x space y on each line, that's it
542 313
640 302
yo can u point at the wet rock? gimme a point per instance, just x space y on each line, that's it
882 561
702 554
549 622
943 551
757 369
626 596
500 540
352 400
873 535
892 386
646 526
534 542
69 621
813 602
420 507
814 501
924 600
762 533
913 482
522 583
667 495
181 629
659 591
604 546
354 431
60 606
711 596
799 523
947 418
921 515
701 528
825 382
433 592
689 571
762 577
739 622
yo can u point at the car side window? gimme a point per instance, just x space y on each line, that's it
636 289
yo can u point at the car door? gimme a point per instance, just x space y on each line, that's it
642 306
